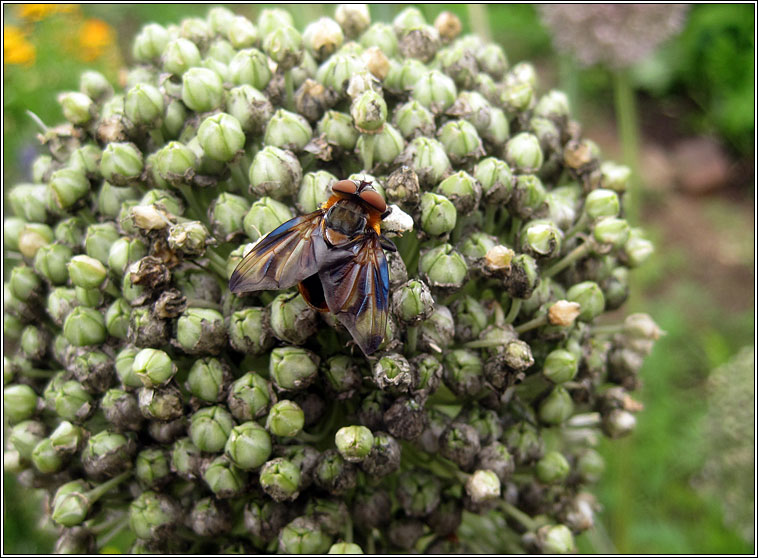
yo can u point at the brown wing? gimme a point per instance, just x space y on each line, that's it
357 292
283 258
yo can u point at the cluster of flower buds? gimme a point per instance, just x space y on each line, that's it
142 395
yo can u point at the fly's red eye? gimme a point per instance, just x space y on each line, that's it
374 199
345 187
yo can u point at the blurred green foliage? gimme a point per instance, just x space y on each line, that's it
649 503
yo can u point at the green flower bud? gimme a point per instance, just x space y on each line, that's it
541 239
34 342
208 379
77 107
188 238
275 173
179 56
91 298
381 148
107 454
590 466
143 105
284 45
67 438
315 189
553 105
12 227
353 18
292 368
86 272
462 190
67 186
354 442
110 199
590 298
438 331
287 130
292 319
421 42
523 153
443 267
185 459
336 71
70 504
280 479
493 60
134 294
515 95
462 373
337 128
33 237
637 249
378 35
124 252
152 467
99 239
153 515
555 539
615 177
250 107
285 419
28 202
153 367
86 160
202 89
72 402
226 214
323 37
175 163
121 410
70 232
303 536
248 446
557 407
413 119
528 198
402 76
418 493
435 91
13 328
240 31
150 42
95 85
438 214
560 366
25 436
221 136
552 468
459 63
496 458
210 428
342 375
24 284
84 326
201 331
343 547
610 230
249 330
369 112
412 302
482 486
428 159
602 203
121 163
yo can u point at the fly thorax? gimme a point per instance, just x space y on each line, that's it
344 221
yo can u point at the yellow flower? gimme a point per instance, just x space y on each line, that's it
16 49
95 37
37 12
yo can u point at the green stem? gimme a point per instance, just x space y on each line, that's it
611 329
289 87
95 494
120 525
499 314
490 212
194 208
513 233
37 373
411 340
576 254
513 310
370 543
368 152
348 529
87 216
576 227
518 515
479 20
455 236
200 303
626 114
534 323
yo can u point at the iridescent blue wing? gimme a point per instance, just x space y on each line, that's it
357 292
283 258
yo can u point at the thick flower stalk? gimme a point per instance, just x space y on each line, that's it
142 394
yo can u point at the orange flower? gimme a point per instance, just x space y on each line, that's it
95 37
16 49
